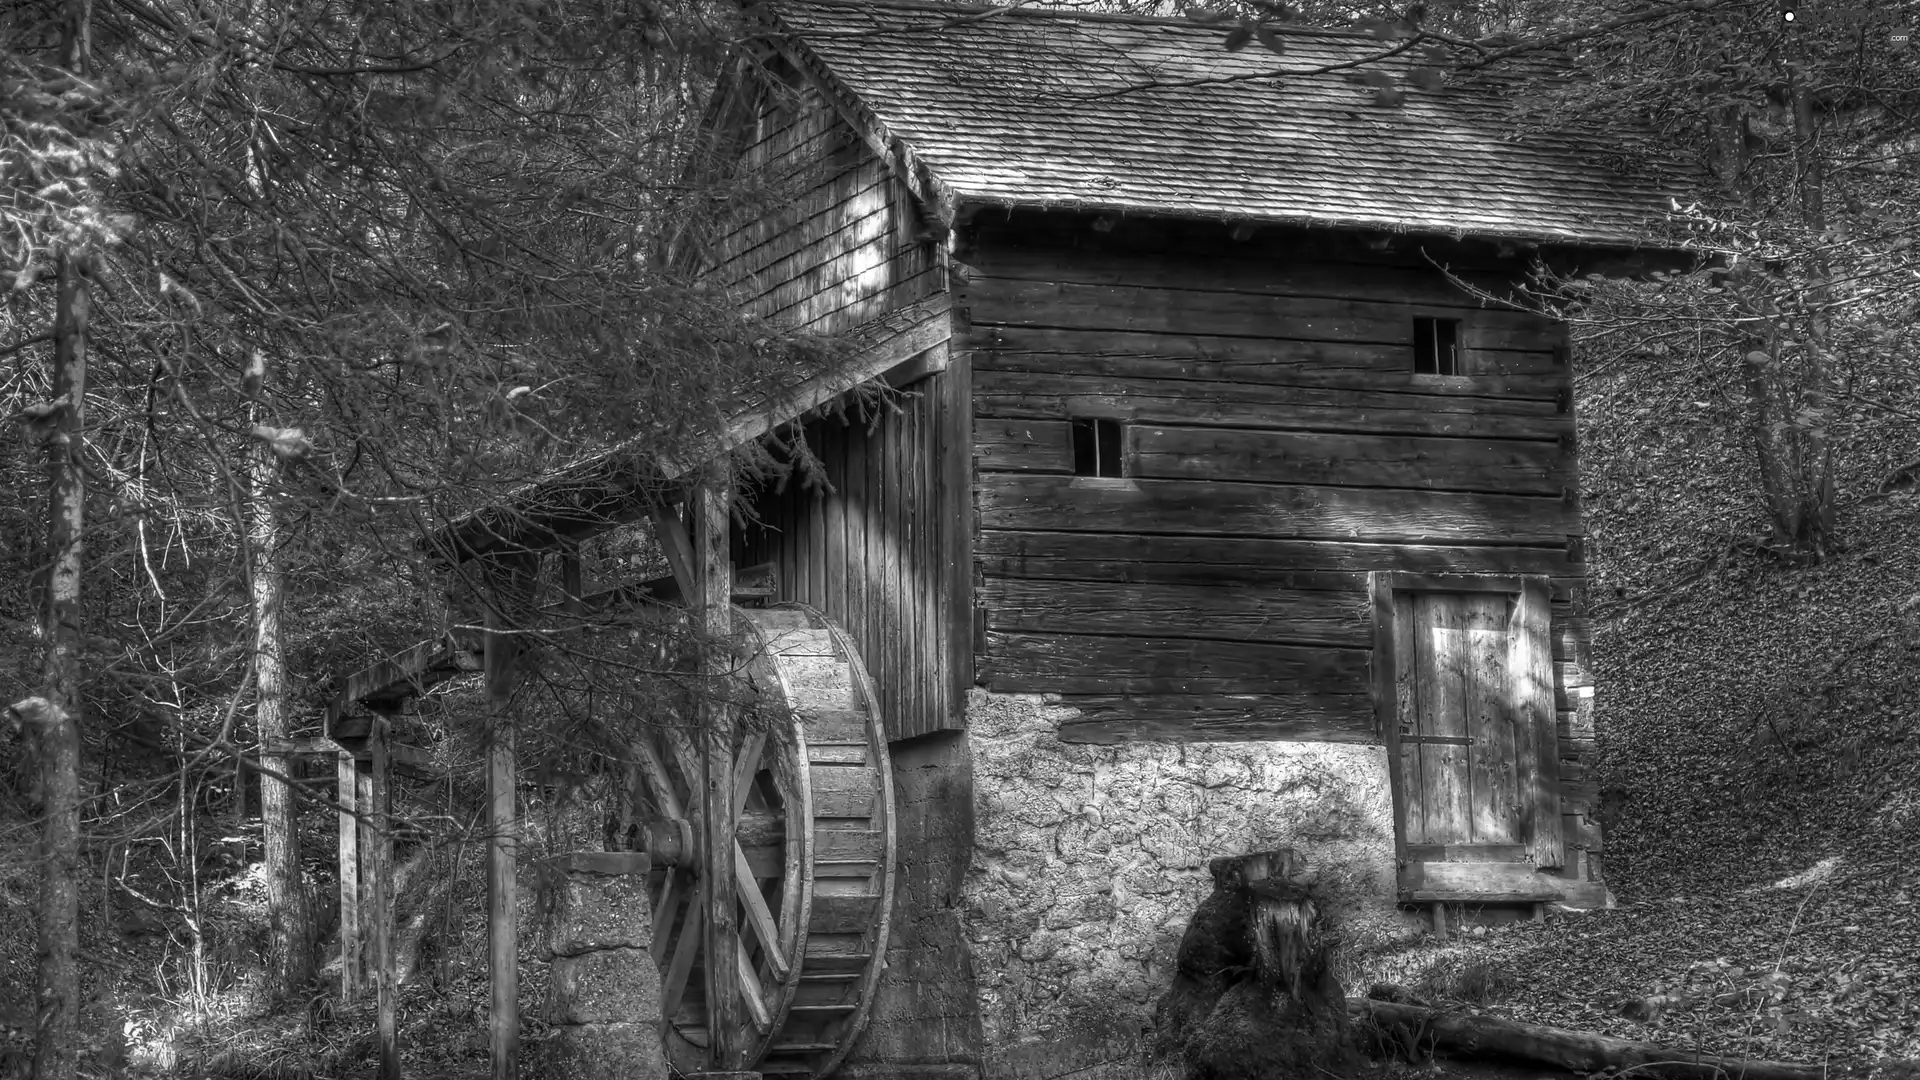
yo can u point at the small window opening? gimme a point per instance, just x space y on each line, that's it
1096 447
1436 346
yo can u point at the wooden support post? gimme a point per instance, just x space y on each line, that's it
1440 921
368 844
347 778
503 924
381 866
714 568
509 583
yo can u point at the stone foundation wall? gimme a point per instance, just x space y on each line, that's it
1088 861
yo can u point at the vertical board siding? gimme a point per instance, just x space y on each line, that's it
1278 447
868 549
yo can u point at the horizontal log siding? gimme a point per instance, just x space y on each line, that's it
836 241
878 552
1278 447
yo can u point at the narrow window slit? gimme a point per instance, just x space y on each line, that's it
1436 346
1096 447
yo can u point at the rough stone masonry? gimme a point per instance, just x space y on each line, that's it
1088 861
604 998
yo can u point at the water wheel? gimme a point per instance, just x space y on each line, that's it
813 864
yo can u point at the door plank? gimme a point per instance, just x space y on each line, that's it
1406 684
1443 707
1492 798
1537 746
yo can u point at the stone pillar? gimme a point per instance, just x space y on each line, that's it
925 1023
604 995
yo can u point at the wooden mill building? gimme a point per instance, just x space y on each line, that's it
1212 452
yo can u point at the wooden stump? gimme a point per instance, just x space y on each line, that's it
1254 994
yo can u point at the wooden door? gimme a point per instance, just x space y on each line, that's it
1459 735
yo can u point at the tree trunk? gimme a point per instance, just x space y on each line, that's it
289 933
1796 477
1577 1051
57 729
1786 372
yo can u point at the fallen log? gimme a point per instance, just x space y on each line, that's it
1575 1051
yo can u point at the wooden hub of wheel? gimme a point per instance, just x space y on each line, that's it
813 853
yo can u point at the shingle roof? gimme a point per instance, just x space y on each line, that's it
1031 107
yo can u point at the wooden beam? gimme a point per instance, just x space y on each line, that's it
711 516
509 582
301 746
402 757
405 673
671 534
931 362
347 776
382 867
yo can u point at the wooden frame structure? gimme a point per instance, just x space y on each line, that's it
697 551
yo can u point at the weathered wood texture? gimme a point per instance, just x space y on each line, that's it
1278 446
835 238
880 545
1469 719
1459 755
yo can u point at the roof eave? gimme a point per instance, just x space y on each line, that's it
1649 245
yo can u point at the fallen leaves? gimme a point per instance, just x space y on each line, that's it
1729 974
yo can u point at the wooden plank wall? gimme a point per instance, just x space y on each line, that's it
837 244
1279 446
881 549
884 552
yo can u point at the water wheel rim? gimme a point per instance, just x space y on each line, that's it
828 1038
884 805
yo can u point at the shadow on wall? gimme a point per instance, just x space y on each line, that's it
1089 860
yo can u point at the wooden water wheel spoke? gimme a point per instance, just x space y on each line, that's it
759 916
663 909
744 767
750 991
654 774
800 814
688 759
674 983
